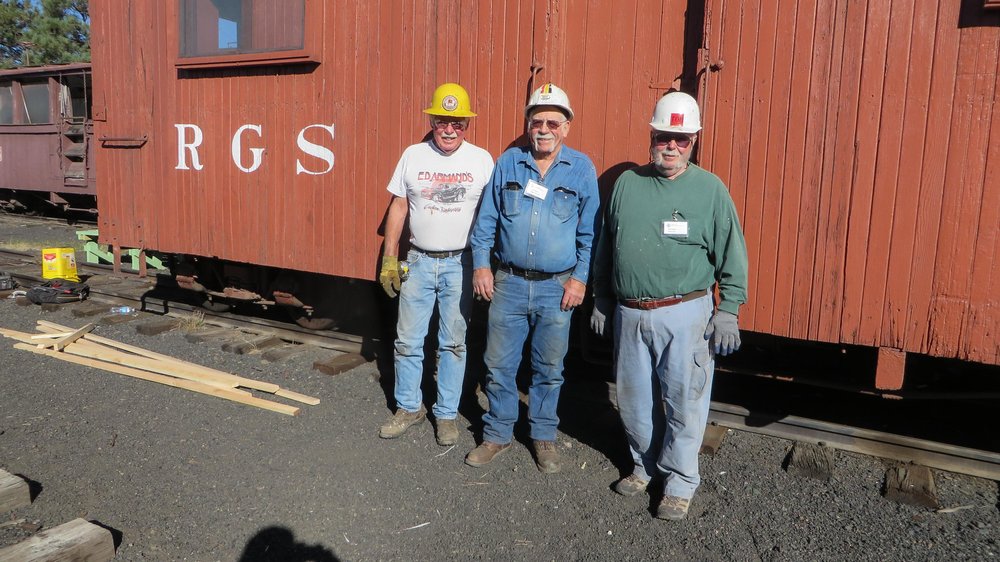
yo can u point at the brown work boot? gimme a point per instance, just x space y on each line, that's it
673 507
546 456
485 453
631 485
400 422
447 432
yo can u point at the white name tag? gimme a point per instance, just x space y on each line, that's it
675 228
536 190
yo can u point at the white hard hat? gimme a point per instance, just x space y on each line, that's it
676 112
549 94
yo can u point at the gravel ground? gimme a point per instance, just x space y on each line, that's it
189 477
183 476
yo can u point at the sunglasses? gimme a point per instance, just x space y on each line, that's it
456 125
680 139
550 123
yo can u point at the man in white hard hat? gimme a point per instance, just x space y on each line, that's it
670 234
437 186
537 221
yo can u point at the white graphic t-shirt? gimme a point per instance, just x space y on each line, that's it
443 192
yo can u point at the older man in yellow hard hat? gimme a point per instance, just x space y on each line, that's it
437 185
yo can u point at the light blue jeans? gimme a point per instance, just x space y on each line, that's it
447 282
520 306
663 370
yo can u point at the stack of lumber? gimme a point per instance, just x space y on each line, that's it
82 347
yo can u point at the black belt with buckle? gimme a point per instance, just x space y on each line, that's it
439 255
531 274
652 304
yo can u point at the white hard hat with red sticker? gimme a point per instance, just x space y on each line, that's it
676 112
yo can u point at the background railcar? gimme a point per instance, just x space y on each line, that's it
257 138
46 150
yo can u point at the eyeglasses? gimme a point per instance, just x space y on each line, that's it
443 125
680 139
550 123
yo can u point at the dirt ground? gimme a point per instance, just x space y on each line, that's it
181 476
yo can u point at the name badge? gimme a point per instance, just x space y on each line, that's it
675 228
536 190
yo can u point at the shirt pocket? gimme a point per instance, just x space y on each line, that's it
510 199
565 203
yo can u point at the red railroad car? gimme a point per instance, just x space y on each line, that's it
45 138
854 137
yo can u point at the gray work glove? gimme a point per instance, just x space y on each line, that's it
723 333
604 307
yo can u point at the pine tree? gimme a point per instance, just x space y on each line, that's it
15 17
59 32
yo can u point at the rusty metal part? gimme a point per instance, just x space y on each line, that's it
240 294
962 460
287 299
189 282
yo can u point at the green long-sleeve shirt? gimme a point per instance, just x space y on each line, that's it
640 255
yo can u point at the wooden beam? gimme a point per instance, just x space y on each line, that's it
212 373
297 397
14 492
910 484
201 388
62 342
76 540
811 461
340 363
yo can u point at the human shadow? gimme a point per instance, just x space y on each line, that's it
278 544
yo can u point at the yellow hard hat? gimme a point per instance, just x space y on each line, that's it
450 100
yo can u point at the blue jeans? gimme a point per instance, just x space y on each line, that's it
663 370
520 306
448 282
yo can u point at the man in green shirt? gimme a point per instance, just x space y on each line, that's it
670 235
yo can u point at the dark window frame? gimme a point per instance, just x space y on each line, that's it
309 53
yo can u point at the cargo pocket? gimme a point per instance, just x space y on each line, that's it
698 384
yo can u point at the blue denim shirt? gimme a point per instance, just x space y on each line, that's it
553 234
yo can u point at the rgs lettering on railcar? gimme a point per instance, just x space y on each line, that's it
186 148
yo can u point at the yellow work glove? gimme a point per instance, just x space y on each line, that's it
389 276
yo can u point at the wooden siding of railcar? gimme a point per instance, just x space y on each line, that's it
380 62
875 222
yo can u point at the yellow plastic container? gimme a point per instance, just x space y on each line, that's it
59 263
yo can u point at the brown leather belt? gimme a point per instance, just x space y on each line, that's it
441 255
650 304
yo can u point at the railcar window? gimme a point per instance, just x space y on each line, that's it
36 102
232 27
6 104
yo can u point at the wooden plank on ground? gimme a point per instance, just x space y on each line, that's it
714 435
14 492
115 319
157 326
811 461
89 308
282 352
62 342
248 383
77 540
910 484
291 395
201 388
250 344
208 334
340 363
